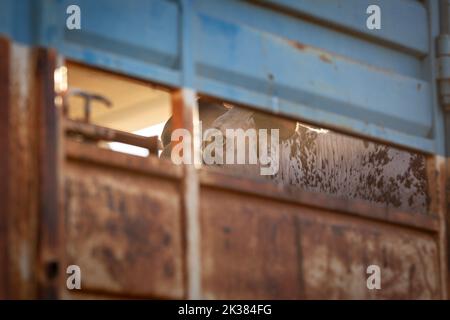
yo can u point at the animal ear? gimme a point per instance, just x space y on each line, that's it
266 121
166 133
209 110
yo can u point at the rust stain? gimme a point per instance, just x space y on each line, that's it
318 263
297 45
302 47
325 58
5 109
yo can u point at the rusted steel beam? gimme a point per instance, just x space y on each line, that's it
149 165
97 133
185 114
436 175
447 215
49 264
123 229
88 98
288 194
4 163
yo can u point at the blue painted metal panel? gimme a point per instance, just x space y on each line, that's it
261 69
404 22
430 63
138 37
151 35
17 20
313 34
317 62
6 17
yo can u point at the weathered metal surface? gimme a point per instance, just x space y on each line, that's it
49 244
186 115
306 32
436 172
94 133
258 248
139 38
19 177
4 163
409 32
123 227
151 166
243 52
293 195
248 64
447 225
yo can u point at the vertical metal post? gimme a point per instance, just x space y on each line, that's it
49 218
185 115
4 165
443 58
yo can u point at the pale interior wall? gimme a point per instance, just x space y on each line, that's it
135 105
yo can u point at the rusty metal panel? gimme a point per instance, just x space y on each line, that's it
320 200
18 171
447 225
264 249
24 184
436 172
123 227
185 114
409 32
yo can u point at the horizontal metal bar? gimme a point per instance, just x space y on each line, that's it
94 132
6 174
122 64
298 111
288 194
149 165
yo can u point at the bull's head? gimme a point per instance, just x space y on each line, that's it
216 115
